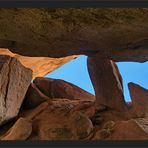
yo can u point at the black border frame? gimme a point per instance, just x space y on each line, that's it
74 144
74 4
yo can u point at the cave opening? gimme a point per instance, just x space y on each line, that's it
76 72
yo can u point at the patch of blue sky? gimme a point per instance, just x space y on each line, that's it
76 72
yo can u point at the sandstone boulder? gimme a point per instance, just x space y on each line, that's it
34 97
21 130
65 119
14 82
139 96
60 120
127 130
56 88
132 129
107 82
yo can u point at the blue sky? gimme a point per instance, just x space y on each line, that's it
76 72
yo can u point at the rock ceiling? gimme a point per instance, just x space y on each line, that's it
119 34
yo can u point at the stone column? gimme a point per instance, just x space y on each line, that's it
107 82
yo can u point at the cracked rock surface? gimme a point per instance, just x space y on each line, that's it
14 82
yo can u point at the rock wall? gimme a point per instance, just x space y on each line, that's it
14 82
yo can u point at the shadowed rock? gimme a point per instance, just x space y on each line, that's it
14 81
56 88
107 82
21 130
120 33
34 97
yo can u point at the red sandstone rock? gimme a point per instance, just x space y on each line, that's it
21 130
56 88
40 66
34 97
127 130
139 96
14 81
123 130
64 119
61 120
107 82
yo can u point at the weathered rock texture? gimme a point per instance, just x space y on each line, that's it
127 130
72 119
39 65
139 96
21 130
34 97
56 88
64 119
43 89
107 82
121 34
14 81
60 119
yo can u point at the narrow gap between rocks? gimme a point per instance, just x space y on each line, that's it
76 72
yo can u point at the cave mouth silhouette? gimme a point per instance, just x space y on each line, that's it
76 72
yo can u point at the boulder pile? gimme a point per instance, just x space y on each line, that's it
53 109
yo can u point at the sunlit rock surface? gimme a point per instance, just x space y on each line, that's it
39 65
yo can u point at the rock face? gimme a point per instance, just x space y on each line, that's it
71 119
56 88
127 130
107 82
64 119
21 130
40 66
14 81
121 34
139 96
60 120
34 97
